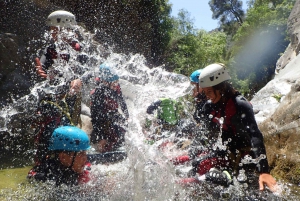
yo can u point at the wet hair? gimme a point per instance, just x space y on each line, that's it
226 90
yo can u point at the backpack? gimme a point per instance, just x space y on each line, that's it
169 111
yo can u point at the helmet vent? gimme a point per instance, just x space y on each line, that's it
58 20
212 78
77 142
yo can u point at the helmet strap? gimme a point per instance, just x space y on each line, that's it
73 160
197 86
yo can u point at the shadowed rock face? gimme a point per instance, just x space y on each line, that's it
21 22
281 126
14 69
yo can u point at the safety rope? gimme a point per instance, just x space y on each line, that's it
65 112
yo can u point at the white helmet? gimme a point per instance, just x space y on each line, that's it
61 18
213 74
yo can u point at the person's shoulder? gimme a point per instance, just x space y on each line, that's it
207 107
207 104
242 102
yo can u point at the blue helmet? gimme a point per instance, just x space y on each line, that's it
69 138
194 77
106 74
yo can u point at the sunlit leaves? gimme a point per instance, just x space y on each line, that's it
260 40
194 51
228 12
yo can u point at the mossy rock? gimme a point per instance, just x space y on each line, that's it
287 170
11 178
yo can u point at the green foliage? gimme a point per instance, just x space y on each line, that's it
190 49
229 12
158 13
259 42
277 97
263 16
184 23
249 45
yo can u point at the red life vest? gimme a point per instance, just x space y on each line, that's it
227 114
85 176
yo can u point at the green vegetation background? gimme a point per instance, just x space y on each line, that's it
249 43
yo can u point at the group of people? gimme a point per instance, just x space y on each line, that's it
226 115
60 142
229 133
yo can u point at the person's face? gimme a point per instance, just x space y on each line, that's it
211 94
75 87
114 85
64 33
66 159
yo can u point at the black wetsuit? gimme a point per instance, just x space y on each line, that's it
106 119
50 115
239 131
200 100
51 169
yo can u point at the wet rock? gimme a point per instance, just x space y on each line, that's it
294 31
279 121
282 135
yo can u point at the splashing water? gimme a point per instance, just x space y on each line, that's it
146 174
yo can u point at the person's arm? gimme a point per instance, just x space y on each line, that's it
247 116
75 87
122 103
198 111
43 63
257 143
267 179
75 45
153 106
39 68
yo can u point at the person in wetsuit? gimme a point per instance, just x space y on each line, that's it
108 123
52 62
66 161
232 132
52 112
198 95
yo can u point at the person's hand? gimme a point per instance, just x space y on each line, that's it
39 70
267 179
75 87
